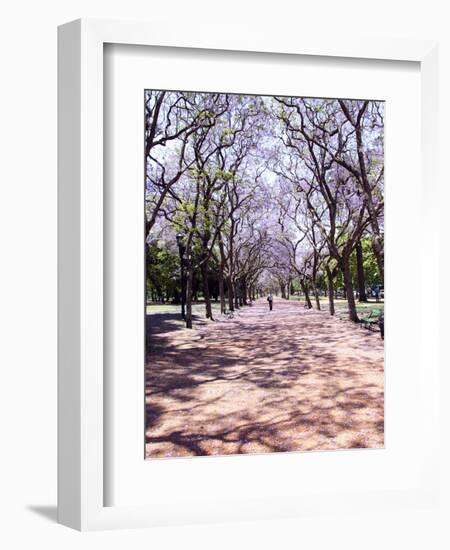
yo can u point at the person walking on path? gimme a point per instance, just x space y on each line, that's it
270 300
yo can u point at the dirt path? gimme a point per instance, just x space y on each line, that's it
286 380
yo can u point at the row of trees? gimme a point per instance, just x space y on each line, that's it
164 279
263 189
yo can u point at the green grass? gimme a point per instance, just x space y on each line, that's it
340 305
360 306
198 308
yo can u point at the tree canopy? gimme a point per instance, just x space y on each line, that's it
265 193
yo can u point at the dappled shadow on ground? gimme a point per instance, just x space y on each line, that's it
159 326
290 379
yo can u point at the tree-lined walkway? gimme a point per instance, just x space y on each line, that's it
287 380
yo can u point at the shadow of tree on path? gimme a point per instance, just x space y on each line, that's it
301 382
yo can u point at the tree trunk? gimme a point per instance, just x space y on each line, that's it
348 284
206 294
230 294
377 248
231 287
330 290
159 293
221 275
361 278
306 293
364 180
316 296
244 292
189 279
221 291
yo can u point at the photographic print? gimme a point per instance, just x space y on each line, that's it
264 283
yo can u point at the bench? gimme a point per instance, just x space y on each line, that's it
375 317
381 325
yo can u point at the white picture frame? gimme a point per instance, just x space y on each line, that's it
81 481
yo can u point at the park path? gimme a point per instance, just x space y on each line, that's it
287 380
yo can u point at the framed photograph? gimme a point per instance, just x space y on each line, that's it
240 335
